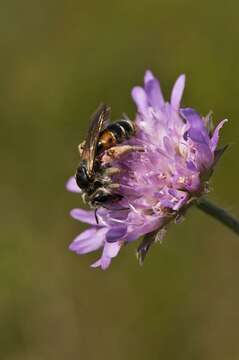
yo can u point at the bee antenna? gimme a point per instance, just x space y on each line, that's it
96 217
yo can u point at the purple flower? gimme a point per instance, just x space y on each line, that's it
158 184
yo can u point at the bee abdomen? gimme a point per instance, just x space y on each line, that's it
107 139
122 130
128 127
114 134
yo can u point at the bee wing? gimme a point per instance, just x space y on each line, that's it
100 116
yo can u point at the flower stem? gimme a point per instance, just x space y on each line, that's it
218 213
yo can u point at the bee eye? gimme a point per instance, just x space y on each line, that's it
82 178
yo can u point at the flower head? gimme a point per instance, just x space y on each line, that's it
158 184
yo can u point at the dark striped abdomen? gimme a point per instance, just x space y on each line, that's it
115 134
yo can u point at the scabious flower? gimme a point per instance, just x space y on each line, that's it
158 184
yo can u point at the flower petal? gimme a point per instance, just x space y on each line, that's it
72 186
215 136
192 117
153 91
96 264
147 227
140 98
84 216
198 134
177 91
90 240
110 250
116 233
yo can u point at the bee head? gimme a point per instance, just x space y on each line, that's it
82 178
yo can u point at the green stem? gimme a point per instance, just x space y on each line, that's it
221 215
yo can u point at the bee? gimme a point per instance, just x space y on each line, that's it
92 178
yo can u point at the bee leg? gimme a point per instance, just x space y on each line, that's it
105 177
115 152
111 171
114 186
81 147
84 197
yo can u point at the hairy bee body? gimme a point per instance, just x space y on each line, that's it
91 177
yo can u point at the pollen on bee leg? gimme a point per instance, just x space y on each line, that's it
112 171
114 186
115 152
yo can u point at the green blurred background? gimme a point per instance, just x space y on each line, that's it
58 60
